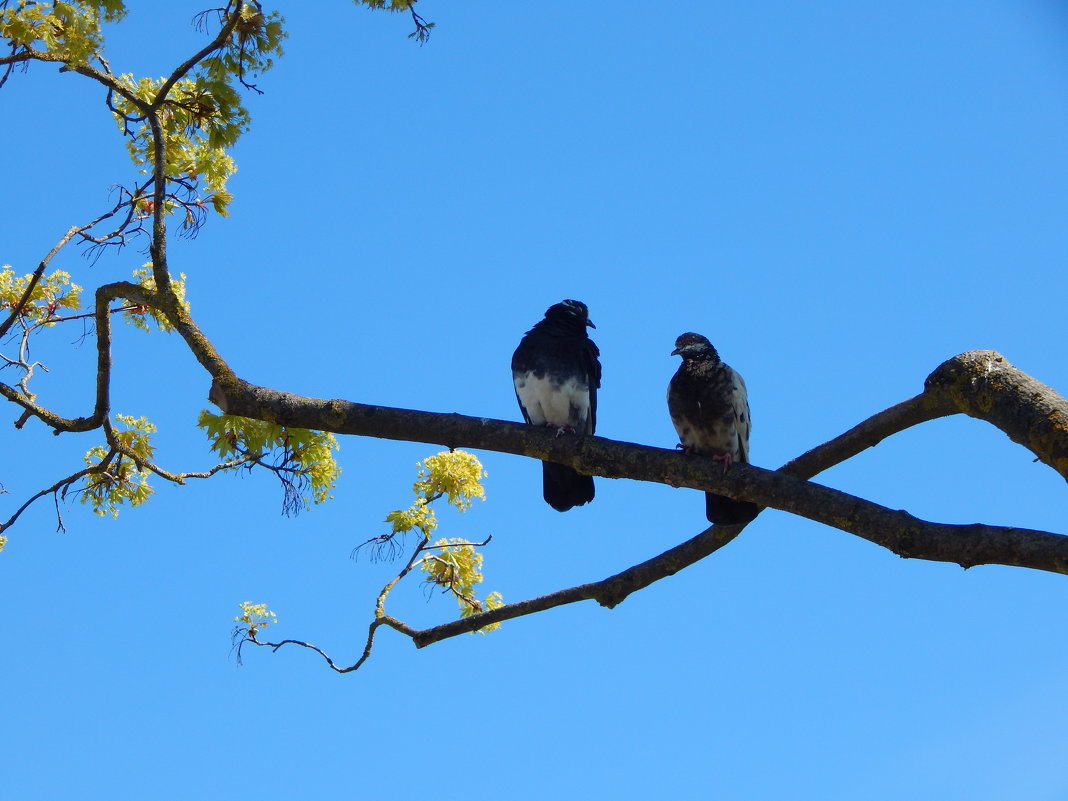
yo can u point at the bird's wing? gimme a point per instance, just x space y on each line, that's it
742 421
592 367
522 408
521 371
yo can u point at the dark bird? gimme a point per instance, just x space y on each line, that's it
709 408
556 376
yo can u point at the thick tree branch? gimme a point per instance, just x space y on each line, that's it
979 383
15 58
982 384
905 535
898 531
951 387
102 312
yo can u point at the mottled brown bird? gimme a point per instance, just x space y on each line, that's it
709 408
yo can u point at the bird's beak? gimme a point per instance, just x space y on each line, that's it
589 323
676 352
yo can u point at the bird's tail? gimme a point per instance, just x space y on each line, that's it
723 511
564 487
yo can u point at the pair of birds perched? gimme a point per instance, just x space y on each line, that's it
556 374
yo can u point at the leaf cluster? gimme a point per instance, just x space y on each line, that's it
68 32
52 293
387 5
120 476
301 458
200 119
454 565
254 617
457 568
256 39
422 28
138 316
202 115
419 516
456 474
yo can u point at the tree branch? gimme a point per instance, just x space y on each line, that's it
63 483
608 593
215 44
380 619
20 306
980 383
72 232
868 434
104 295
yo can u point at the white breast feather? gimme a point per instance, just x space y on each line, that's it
545 401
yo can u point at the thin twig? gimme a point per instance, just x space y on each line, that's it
215 44
55 488
455 544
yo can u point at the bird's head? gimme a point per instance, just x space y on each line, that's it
570 311
692 347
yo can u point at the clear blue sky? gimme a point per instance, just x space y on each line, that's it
840 195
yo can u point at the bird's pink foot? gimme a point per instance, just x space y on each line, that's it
725 458
561 429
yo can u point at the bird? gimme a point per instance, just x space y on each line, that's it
556 374
710 411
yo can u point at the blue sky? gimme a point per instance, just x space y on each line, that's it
839 195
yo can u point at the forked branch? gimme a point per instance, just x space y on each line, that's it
979 383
